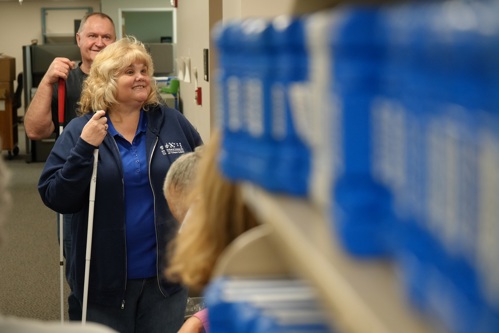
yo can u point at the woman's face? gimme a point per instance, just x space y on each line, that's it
134 84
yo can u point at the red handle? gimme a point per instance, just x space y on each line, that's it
61 100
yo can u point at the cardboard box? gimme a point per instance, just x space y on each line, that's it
6 90
7 68
8 120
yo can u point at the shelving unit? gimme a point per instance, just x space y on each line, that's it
360 297
296 239
8 107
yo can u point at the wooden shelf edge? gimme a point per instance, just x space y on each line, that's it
251 255
361 297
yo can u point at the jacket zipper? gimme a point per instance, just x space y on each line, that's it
155 224
123 191
155 227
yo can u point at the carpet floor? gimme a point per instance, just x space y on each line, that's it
29 253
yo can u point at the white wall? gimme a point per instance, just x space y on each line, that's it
263 8
112 7
194 21
196 18
19 24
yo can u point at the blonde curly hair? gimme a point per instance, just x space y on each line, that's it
100 87
218 215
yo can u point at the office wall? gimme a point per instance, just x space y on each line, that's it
112 7
19 24
195 19
265 8
262 8
192 38
148 27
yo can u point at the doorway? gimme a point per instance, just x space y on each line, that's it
149 25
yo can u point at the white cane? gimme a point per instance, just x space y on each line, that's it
61 264
88 254
61 104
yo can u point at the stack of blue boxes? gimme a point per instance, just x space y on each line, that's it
361 205
443 98
412 102
255 305
260 60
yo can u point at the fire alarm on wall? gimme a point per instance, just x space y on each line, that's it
173 3
198 96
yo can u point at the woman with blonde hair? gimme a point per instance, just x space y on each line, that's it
138 139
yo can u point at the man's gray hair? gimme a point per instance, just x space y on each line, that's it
181 174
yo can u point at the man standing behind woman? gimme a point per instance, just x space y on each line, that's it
96 31
138 139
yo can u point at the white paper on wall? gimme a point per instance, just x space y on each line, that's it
181 68
187 74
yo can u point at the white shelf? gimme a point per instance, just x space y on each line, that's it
360 296
252 254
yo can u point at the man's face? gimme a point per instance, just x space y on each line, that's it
97 33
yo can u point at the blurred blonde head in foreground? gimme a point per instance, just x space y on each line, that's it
216 217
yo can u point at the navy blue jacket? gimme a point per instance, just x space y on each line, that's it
64 187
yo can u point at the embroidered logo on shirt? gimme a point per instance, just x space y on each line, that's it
172 148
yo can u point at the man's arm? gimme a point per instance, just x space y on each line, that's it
38 122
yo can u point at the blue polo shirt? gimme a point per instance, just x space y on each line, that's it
139 202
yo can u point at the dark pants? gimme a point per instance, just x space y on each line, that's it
146 310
